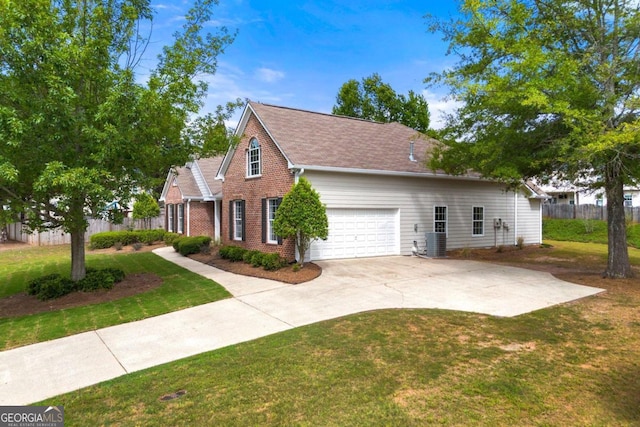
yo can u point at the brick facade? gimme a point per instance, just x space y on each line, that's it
275 181
198 216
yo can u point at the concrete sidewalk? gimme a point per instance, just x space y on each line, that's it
263 307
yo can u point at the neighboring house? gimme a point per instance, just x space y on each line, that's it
631 197
192 199
372 178
569 194
563 194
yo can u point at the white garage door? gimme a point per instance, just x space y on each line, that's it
359 233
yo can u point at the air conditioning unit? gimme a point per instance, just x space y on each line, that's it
436 244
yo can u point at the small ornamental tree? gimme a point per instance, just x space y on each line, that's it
301 215
145 208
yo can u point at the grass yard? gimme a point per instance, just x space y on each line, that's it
180 288
586 231
572 365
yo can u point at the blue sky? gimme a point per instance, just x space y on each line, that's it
298 53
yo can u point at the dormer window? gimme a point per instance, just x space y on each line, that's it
254 167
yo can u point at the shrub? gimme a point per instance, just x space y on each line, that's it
137 246
149 237
205 249
170 237
192 245
118 246
100 279
50 286
232 253
520 242
108 239
253 257
176 243
273 261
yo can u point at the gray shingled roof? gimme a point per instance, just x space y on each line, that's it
209 168
324 140
188 184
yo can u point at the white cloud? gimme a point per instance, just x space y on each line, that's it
268 75
439 106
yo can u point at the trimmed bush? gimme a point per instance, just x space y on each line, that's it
273 261
56 286
169 238
50 286
176 243
100 279
192 245
149 237
253 257
232 253
108 239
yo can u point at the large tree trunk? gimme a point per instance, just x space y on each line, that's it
618 265
78 269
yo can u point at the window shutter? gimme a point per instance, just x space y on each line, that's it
231 219
264 220
278 205
242 203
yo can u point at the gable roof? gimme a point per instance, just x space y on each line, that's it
196 180
319 141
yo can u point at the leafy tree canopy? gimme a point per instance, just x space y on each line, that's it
78 128
548 88
372 99
145 208
301 215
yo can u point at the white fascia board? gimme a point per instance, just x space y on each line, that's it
167 185
200 181
242 124
387 173
244 119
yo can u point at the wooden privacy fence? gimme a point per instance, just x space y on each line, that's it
585 212
16 232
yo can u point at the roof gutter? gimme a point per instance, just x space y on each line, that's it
439 175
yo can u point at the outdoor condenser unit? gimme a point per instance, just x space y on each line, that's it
436 244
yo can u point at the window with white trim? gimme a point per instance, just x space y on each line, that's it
272 207
238 219
440 219
170 218
180 225
254 155
478 221
628 200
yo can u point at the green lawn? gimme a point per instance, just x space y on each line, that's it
585 231
571 365
180 289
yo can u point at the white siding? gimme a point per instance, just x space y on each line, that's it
415 198
529 220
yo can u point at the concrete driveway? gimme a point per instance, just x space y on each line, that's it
263 307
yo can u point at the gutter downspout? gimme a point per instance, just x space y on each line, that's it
515 210
217 205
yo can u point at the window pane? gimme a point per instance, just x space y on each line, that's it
478 221
238 220
272 207
440 219
180 218
253 158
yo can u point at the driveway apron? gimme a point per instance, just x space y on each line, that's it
262 307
